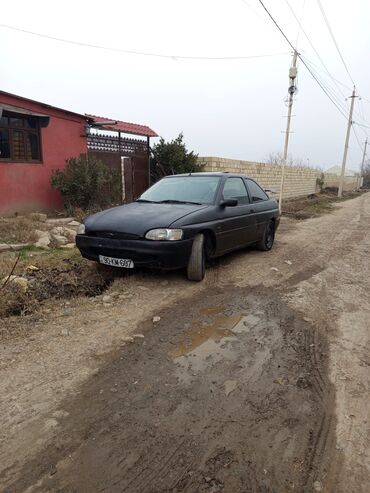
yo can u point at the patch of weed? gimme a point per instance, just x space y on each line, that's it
18 230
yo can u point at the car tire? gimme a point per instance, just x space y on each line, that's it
267 240
196 268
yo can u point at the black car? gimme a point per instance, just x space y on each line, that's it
180 222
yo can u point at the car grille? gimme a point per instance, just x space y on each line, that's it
113 235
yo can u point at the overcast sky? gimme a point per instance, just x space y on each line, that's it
226 108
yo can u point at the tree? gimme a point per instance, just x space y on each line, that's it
171 158
86 183
276 158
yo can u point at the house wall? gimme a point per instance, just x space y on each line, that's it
26 186
298 182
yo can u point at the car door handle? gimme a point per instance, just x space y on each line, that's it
251 211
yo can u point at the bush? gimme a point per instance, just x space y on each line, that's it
171 158
87 183
320 180
14 301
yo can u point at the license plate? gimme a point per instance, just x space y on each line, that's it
116 262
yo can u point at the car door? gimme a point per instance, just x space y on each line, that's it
236 224
261 206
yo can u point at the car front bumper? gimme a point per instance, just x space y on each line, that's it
144 253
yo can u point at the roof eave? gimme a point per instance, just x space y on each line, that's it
44 105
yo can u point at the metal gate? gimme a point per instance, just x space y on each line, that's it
134 172
135 177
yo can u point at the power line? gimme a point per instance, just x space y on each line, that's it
252 9
362 98
300 24
334 40
300 57
339 101
142 53
326 92
277 25
361 111
358 140
362 130
362 125
359 115
331 76
338 98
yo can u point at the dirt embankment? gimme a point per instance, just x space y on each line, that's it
316 205
53 276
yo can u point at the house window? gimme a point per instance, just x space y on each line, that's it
19 138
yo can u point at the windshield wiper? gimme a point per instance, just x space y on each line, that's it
172 201
148 201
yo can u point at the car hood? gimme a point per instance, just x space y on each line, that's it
138 217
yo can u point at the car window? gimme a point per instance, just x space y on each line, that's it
234 188
256 191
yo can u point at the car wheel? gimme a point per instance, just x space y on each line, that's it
268 237
197 262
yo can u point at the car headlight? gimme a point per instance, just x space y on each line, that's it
81 229
164 234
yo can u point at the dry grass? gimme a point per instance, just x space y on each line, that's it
59 274
14 301
18 230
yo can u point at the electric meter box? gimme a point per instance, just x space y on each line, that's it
293 72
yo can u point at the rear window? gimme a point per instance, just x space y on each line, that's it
256 192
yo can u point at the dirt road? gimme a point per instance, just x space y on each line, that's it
255 380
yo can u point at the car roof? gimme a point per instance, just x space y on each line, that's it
210 173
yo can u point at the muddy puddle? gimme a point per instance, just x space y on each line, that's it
202 332
212 339
206 343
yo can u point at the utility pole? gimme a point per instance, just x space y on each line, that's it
340 188
363 162
291 90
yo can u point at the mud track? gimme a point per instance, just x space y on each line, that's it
224 394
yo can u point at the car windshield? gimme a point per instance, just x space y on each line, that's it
183 189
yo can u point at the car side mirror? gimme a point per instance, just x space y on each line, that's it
229 202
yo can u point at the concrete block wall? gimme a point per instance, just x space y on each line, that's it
298 181
350 182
